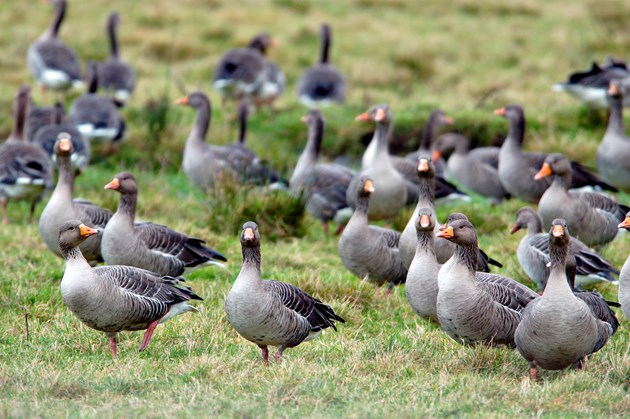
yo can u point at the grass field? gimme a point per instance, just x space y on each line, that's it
467 57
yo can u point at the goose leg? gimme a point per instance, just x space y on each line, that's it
147 335
390 287
30 219
533 371
340 228
5 201
325 226
580 364
112 345
281 349
265 353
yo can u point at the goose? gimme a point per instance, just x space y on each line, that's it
26 171
53 64
624 276
147 245
370 252
322 185
592 217
589 86
613 153
558 329
272 313
516 168
468 169
437 119
533 253
471 310
61 207
206 165
112 299
322 84
96 116
38 117
391 188
115 75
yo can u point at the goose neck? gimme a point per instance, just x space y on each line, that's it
113 39
60 12
65 181
325 45
251 261
202 123
127 206
615 122
466 254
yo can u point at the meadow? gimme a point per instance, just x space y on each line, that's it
466 57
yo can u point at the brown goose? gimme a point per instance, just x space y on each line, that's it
50 60
476 307
272 313
624 276
592 217
322 83
115 75
146 245
111 299
557 329
61 207
322 185
613 153
516 168
26 171
533 254
370 252
436 120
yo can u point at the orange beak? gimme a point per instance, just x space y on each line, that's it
114 184
86 231
557 231
625 223
448 120
423 165
365 116
613 89
380 115
425 221
248 234
500 112
545 171
182 100
304 119
369 186
447 233
515 228
437 155
273 43
65 144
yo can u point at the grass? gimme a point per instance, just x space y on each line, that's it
467 57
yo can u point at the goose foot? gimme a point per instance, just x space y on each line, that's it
580 364
147 335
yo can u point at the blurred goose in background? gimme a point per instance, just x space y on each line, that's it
116 76
38 117
533 254
370 252
322 185
624 276
50 60
476 307
437 119
61 207
517 168
112 299
322 83
613 153
590 86
47 136
26 171
146 245
592 217
559 329
96 116
272 313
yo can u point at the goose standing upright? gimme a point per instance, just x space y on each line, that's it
624 276
272 313
112 299
322 83
558 329
53 64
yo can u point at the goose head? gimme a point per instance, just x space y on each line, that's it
426 168
459 232
250 236
63 145
73 232
626 222
365 188
523 217
555 164
262 42
379 114
123 182
425 220
451 218
559 232
194 100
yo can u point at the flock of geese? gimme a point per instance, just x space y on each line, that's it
446 274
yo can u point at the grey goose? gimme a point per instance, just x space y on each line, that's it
146 245
272 313
624 276
558 329
112 299
437 119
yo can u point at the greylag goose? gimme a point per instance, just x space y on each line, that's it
467 169
61 207
50 60
533 253
613 153
476 307
558 329
272 313
322 185
624 276
592 217
115 75
516 168
390 187
436 120
590 86
38 117
25 169
370 252
322 83
111 299
206 165
146 245
96 116
47 136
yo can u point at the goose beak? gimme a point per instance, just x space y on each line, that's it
423 165
515 228
613 89
380 115
557 231
545 171
273 43
437 155
625 223
86 231
365 116
65 144
182 100
248 234
448 120
447 233
369 186
425 221
500 112
304 119
114 184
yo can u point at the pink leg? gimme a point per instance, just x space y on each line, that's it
390 287
279 353
147 335
340 228
5 201
265 353
533 371
325 226
112 346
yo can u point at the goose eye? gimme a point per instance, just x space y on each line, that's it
460 227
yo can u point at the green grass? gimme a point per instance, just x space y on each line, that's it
467 57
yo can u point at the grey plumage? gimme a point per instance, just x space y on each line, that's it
436 120
624 276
